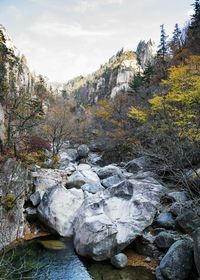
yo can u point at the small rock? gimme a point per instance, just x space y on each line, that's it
165 220
164 240
94 158
188 221
119 260
83 151
72 154
148 260
92 187
178 196
35 198
176 209
79 178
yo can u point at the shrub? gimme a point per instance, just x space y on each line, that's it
9 201
55 161
36 143
38 157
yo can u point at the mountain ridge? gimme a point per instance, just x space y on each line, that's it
111 78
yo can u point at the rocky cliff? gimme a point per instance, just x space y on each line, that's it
14 188
15 78
112 77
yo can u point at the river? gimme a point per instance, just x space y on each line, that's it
31 260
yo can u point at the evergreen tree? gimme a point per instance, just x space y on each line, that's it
176 43
163 49
162 54
136 83
194 30
148 73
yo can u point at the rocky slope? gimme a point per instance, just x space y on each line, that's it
113 77
105 209
15 77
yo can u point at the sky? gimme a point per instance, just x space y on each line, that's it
62 39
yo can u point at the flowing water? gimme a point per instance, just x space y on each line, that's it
38 260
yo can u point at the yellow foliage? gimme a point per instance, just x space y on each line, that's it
179 107
137 114
156 103
104 110
38 158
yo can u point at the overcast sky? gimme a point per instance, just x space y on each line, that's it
65 38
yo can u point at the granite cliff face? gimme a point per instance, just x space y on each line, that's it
14 65
145 53
15 186
15 77
113 77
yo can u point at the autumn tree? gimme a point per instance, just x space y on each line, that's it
174 113
60 125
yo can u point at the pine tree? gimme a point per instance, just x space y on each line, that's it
163 49
194 30
136 83
176 43
148 73
162 54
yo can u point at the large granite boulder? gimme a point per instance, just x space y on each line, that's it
138 164
197 249
108 171
178 262
44 179
58 209
79 178
110 220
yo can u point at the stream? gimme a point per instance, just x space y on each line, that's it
44 259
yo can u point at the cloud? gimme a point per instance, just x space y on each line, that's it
59 29
88 5
14 11
65 38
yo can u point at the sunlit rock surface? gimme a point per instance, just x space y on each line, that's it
59 208
110 220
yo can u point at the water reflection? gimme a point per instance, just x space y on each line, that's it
38 260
